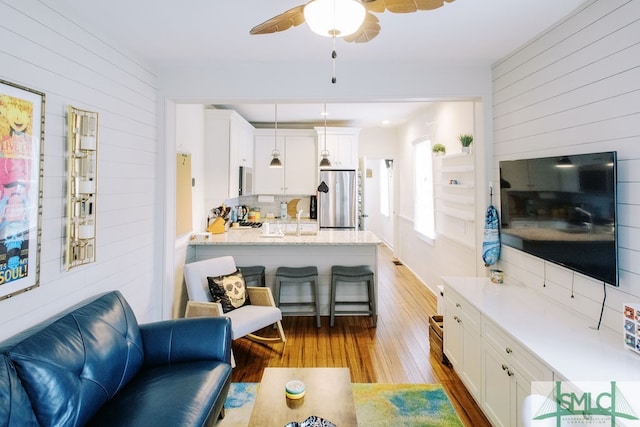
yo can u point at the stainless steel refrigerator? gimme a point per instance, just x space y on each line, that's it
337 198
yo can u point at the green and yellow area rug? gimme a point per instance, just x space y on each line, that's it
376 405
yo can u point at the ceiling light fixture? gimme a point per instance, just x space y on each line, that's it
325 163
334 18
275 161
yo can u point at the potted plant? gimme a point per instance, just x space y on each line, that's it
439 149
466 139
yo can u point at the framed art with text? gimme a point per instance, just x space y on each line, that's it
21 163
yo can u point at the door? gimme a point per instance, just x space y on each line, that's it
378 176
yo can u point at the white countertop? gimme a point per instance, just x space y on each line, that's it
254 236
564 340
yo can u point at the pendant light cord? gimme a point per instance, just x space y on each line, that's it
333 59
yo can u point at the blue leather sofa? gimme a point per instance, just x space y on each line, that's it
96 366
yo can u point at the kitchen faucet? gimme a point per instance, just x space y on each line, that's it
298 215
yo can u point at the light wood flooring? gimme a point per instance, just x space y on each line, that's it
396 351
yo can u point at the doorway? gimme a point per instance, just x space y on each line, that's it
379 198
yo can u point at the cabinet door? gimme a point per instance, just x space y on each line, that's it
300 165
217 161
453 334
471 359
245 144
267 180
496 395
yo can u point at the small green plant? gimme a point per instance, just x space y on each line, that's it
466 139
439 149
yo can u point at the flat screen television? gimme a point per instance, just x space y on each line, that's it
563 210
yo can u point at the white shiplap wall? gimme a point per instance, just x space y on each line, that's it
576 89
45 50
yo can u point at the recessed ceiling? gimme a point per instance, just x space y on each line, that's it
361 115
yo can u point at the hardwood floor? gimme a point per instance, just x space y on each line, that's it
396 351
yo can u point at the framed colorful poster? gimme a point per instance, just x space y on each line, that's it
21 161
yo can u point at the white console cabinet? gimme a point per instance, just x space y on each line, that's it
523 337
462 340
508 370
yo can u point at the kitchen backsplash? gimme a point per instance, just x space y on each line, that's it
270 205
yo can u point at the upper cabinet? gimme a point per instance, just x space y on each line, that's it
228 145
298 155
342 145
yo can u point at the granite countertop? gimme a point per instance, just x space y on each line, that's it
564 340
255 236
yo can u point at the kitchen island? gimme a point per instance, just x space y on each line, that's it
322 249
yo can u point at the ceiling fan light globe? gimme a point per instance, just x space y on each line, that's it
334 17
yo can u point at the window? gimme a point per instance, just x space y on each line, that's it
386 171
424 209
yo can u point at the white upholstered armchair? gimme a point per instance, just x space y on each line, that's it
246 320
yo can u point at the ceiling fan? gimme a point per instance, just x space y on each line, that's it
367 25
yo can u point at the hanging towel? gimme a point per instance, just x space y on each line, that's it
491 243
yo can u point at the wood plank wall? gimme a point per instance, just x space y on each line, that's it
576 89
73 65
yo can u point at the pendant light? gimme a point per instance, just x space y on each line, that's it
275 161
325 163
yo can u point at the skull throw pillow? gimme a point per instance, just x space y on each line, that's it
230 291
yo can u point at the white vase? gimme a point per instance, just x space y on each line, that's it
466 150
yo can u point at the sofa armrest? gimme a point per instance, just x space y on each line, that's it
185 340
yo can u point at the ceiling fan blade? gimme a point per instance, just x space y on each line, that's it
291 18
367 31
402 6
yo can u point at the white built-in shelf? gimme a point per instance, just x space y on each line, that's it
464 215
454 155
457 169
461 200
464 242
467 185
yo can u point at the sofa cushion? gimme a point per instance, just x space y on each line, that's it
73 366
180 394
15 408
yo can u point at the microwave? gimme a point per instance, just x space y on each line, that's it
245 187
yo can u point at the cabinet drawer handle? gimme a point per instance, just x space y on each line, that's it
458 305
508 350
457 319
509 372
504 367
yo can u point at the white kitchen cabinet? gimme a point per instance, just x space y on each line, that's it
228 144
462 340
342 145
298 155
508 371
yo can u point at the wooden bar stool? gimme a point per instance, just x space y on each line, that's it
359 273
296 276
253 274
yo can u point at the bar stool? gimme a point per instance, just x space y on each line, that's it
360 273
253 274
299 275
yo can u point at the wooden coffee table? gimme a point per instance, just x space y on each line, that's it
328 395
